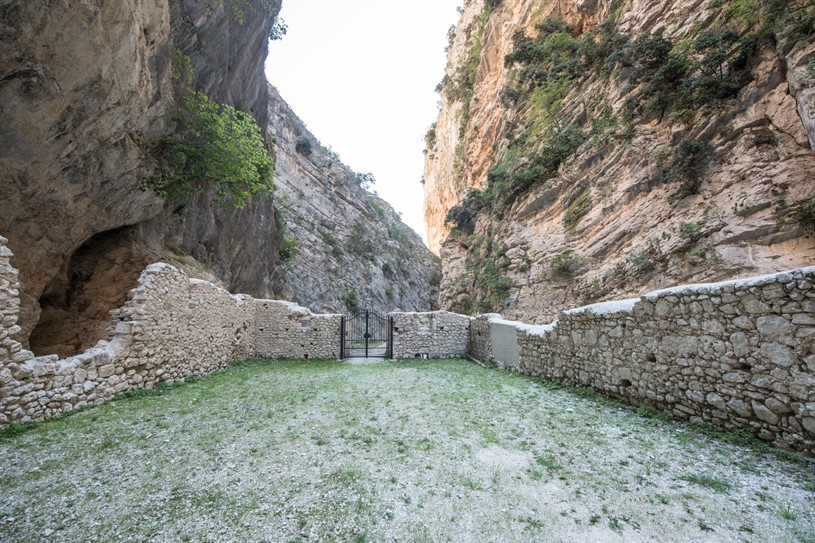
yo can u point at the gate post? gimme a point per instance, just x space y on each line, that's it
342 337
390 337
367 335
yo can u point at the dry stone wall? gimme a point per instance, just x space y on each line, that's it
170 328
436 334
739 355
286 330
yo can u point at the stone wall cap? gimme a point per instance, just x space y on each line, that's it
430 313
757 281
531 329
605 308
160 266
295 308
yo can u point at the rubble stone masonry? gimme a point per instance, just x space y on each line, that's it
739 355
436 334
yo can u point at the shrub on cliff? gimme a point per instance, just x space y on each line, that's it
288 250
214 145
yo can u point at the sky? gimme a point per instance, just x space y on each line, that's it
361 74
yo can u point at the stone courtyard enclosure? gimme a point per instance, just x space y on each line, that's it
406 451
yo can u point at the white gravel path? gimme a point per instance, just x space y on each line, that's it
441 451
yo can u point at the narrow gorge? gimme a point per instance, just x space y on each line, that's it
214 329
88 91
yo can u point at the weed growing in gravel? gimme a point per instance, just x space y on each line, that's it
710 482
786 512
332 451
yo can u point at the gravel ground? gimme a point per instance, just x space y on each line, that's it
405 452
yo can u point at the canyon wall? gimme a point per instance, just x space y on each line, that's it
88 90
347 246
592 181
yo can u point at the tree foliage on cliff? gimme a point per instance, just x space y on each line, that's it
213 145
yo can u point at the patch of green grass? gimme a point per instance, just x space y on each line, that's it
16 429
273 449
652 415
717 485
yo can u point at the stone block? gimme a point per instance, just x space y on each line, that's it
763 413
774 327
744 322
716 401
739 407
803 319
777 406
753 305
780 355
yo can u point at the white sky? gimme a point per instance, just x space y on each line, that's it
361 74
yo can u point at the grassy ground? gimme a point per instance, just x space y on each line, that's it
407 451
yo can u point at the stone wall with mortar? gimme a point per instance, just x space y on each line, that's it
739 355
435 334
171 327
286 330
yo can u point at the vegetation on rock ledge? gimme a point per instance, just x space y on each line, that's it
213 145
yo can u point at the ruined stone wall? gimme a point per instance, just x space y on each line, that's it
12 353
739 355
436 334
171 327
286 330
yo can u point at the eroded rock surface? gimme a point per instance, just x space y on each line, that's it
84 90
621 232
347 243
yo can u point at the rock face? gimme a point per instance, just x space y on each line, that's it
608 221
83 88
346 246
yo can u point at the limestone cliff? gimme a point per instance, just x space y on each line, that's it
85 89
620 146
345 246
84 86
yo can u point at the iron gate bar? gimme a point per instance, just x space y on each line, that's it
342 337
371 337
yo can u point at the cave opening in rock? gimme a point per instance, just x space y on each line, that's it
76 304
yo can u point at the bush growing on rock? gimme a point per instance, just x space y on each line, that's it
215 146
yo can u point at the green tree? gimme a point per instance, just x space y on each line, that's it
213 145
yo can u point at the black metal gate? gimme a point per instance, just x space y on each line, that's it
367 335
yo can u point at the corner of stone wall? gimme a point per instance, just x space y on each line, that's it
12 354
